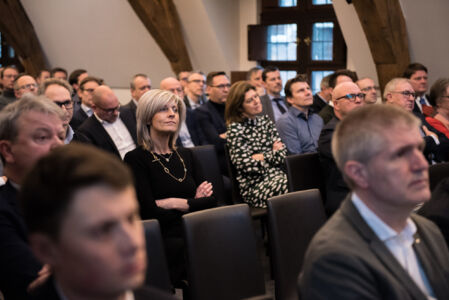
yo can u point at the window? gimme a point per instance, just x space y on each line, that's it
281 42
8 55
322 41
301 36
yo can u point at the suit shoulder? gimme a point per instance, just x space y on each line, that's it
152 293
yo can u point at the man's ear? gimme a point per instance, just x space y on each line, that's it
44 248
289 100
357 172
6 152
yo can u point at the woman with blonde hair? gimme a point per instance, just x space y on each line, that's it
167 184
255 148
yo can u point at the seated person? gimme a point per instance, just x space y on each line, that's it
167 183
439 94
80 207
300 127
255 148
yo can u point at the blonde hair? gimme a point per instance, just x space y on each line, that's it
151 103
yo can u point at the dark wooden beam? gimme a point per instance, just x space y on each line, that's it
162 21
18 29
385 29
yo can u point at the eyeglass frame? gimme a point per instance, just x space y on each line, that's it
352 97
405 93
64 104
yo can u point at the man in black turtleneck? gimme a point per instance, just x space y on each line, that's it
7 76
210 116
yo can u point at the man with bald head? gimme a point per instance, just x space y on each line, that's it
400 92
23 84
189 134
346 97
110 127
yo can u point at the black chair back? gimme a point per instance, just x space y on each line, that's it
293 219
437 172
304 172
222 257
206 162
157 271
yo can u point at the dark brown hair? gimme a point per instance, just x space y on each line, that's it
234 102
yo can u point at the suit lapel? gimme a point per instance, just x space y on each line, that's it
126 117
379 249
431 267
102 135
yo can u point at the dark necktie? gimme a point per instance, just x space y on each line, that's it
279 105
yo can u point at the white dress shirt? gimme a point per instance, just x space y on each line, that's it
399 244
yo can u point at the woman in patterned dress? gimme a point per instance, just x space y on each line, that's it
255 148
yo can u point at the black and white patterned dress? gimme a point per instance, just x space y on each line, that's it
258 180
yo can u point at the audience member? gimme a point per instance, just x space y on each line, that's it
7 76
29 128
1 83
254 77
59 92
43 74
399 92
368 87
300 127
81 210
75 79
85 93
59 73
23 84
140 84
417 73
189 134
109 128
255 148
439 94
374 247
195 90
346 97
211 115
167 183
323 97
339 76
273 104
183 78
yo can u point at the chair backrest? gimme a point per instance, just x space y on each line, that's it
236 196
437 172
222 258
205 159
293 219
157 271
304 172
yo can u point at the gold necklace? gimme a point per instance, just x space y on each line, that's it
167 170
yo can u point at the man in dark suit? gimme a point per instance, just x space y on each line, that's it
375 247
322 98
399 92
140 84
85 93
75 79
346 97
88 230
109 128
273 104
189 134
417 74
7 76
210 116
29 128
194 90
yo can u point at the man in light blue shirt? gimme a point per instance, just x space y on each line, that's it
374 247
300 127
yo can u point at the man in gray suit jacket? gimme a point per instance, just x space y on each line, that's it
273 104
374 247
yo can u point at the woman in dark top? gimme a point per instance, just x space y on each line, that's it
167 185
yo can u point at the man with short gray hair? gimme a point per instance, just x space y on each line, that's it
374 246
29 129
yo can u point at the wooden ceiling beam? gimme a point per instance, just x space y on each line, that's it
385 29
161 19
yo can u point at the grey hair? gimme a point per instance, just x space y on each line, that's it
391 86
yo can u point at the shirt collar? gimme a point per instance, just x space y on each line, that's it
69 135
103 122
382 230
299 114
